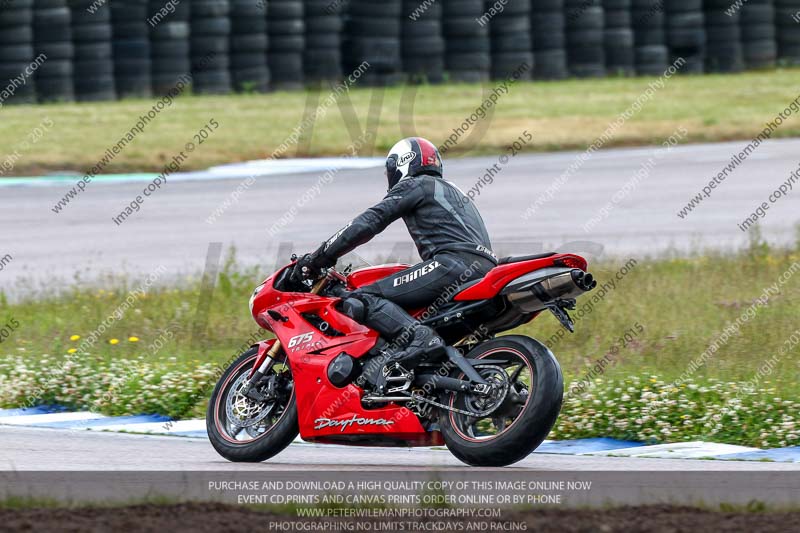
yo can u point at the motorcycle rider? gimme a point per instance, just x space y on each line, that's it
449 234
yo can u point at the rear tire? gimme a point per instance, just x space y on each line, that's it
270 443
531 425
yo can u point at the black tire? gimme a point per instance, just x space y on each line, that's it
99 89
468 62
56 68
547 22
650 37
463 26
253 79
166 49
170 31
92 51
322 25
325 40
11 17
242 26
131 48
287 43
286 67
371 8
249 43
758 32
20 35
374 27
617 19
210 8
55 89
91 33
52 34
81 15
202 28
510 42
93 68
245 61
17 52
465 46
207 45
550 65
284 10
533 423
128 11
261 448
131 30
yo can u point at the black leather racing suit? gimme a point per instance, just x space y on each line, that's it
450 236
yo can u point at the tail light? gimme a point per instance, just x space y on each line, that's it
571 261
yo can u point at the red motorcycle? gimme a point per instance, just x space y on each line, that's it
491 400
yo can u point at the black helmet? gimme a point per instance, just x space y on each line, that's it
411 157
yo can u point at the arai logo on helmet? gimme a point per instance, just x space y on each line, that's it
406 158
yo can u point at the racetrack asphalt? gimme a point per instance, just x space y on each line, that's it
171 229
27 449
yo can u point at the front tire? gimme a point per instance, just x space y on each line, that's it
272 425
524 418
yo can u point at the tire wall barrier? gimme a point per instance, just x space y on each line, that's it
90 50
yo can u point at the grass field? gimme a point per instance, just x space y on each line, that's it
560 115
637 354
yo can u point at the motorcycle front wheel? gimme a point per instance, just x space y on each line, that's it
528 390
244 430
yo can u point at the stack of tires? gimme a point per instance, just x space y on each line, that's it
466 55
249 70
686 36
759 44
372 34
548 39
169 45
286 30
422 43
651 55
510 32
16 50
52 35
787 21
210 46
585 52
131 48
322 57
723 37
618 41
94 59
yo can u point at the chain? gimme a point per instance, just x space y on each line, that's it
481 414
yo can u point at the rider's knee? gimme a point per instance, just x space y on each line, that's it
354 307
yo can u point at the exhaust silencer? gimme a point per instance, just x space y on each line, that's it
533 291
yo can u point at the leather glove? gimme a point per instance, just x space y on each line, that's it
304 268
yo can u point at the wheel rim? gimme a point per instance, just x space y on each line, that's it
241 420
520 374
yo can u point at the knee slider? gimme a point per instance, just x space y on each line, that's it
354 308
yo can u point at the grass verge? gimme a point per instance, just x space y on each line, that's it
678 349
560 115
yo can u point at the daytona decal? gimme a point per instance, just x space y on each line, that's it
427 269
344 424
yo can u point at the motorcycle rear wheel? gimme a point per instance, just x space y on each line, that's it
266 429
526 414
